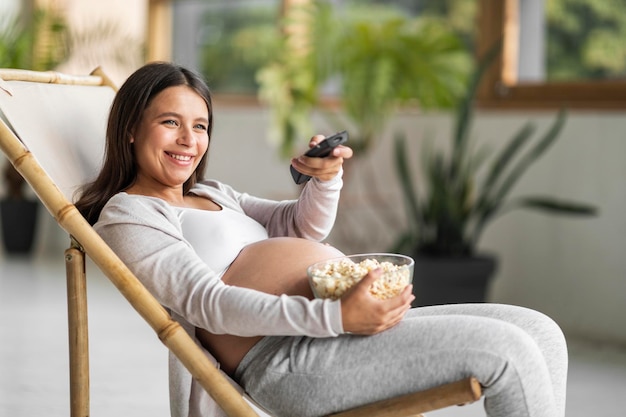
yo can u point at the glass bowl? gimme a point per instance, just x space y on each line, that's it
333 277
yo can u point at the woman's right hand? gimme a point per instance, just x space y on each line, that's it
323 168
365 315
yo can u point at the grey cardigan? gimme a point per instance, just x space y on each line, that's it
145 232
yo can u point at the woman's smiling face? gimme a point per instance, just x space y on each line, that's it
170 139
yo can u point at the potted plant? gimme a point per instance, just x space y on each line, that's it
18 212
446 220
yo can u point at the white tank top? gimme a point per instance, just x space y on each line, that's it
219 236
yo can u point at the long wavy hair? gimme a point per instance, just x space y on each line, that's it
119 170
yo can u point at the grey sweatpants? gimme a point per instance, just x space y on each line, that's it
518 355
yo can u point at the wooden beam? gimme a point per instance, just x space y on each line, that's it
159 27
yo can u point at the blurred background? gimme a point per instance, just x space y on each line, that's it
398 75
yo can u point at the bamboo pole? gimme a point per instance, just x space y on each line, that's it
168 330
105 80
78 332
297 26
159 30
459 393
49 77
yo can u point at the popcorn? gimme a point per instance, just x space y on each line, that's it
332 279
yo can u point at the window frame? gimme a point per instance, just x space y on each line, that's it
498 20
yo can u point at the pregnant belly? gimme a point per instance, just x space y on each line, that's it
274 266
278 265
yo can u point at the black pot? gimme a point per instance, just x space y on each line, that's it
19 221
441 280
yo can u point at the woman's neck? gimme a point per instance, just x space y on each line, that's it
173 196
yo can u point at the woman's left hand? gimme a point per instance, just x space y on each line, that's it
326 168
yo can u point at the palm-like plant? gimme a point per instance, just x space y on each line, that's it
378 58
450 217
393 62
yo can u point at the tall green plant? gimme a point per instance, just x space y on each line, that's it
449 217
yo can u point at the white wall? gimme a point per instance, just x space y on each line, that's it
573 269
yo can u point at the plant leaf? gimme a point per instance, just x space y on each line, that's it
465 108
501 162
553 206
492 205
406 181
507 154
531 157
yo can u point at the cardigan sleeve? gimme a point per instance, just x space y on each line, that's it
311 216
144 232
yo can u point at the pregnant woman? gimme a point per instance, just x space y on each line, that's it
231 268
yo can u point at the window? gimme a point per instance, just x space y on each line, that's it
225 40
520 79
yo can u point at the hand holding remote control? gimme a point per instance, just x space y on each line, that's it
321 150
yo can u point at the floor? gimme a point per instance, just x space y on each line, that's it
128 363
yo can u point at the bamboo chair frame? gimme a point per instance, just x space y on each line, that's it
85 241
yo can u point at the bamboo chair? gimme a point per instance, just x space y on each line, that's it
69 151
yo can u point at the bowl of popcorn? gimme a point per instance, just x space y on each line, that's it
333 277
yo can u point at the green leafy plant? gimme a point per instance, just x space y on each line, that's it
449 218
17 50
375 58
19 35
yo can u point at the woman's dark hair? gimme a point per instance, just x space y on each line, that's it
119 170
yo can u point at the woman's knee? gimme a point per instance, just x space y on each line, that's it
538 325
541 327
